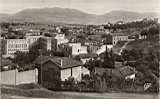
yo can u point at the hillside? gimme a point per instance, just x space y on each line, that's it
71 16
143 44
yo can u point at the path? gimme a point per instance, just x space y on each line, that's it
123 47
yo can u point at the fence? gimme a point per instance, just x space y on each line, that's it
13 77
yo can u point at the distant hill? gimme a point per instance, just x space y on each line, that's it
71 16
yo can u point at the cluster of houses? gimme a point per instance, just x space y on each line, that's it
50 69
59 42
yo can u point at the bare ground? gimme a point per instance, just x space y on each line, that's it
15 93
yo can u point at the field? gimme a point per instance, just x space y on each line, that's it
16 93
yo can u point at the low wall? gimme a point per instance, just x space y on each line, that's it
13 77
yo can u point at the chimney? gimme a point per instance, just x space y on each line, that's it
61 62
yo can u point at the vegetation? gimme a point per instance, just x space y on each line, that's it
108 59
22 58
144 56
134 24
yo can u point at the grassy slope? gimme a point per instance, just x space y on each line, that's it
143 45
118 46
9 92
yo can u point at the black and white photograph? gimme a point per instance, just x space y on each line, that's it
79 49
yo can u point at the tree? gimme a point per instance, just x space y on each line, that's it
153 33
91 64
20 58
34 52
108 59
65 31
5 25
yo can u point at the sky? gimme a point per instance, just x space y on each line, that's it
89 6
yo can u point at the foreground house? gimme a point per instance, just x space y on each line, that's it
53 70
102 75
125 72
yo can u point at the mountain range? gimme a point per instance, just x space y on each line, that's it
71 16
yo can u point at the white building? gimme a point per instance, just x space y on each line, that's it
75 72
32 40
33 32
61 67
118 37
60 36
10 46
58 29
57 40
46 43
102 49
74 49
77 48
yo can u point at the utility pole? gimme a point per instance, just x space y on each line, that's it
40 65
41 68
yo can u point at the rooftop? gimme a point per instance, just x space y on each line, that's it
119 34
88 55
65 61
118 72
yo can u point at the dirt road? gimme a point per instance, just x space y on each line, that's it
75 95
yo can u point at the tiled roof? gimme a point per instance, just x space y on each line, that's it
109 72
126 70
118 72
41 60
66 62
92 55
119 34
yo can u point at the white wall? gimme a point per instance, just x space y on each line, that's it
27 77
32 39
65 73
76 49
8 77
13 45
76 73
101 50
85 60
119 38
85 71
13 77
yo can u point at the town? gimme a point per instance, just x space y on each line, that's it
85 58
